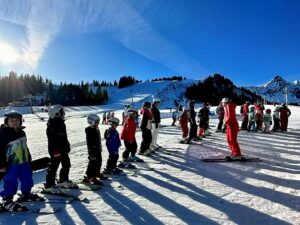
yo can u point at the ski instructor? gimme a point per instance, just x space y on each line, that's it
232 128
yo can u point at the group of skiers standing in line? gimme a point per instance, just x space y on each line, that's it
189 133
255 119
15 158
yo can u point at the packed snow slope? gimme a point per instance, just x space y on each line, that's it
182 189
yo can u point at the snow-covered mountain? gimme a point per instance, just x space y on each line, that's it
274 90
167 91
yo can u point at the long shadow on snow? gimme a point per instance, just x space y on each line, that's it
262 192
204 197
127 208
180 211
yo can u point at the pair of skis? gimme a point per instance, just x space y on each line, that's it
228 159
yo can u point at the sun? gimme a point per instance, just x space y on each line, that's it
8 54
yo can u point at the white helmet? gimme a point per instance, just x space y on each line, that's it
92 119
225 100
56 111
132 111
114 120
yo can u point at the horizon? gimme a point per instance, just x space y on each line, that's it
248 42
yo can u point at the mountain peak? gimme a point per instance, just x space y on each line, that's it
276 80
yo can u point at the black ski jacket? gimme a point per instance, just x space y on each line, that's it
155 114
57 136
93 141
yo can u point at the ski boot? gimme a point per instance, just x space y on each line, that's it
135 159
101 176
92 180
11 206
234 158
126 164
30 198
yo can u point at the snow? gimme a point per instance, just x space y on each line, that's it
182 189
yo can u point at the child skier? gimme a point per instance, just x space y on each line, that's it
183 120
232 128
146 129
203 116
267 121
276 119
93 140
113 144
244 114
58 147
128 135
251 120
259 115
220 113
15 160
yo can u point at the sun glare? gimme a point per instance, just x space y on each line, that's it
7 53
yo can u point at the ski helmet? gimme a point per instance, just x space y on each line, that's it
56 111
268 111
156 100
225 100
92 119
114 120
132 112
252 109
147 104
13 114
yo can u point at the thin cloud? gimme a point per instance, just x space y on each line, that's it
44 20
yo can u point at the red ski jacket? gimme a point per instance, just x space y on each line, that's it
129 128
230 116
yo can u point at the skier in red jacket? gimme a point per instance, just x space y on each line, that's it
128 135
284 117
183 120
232 128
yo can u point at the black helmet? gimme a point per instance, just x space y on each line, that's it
147 104
13 114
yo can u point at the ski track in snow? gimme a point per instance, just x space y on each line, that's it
182 189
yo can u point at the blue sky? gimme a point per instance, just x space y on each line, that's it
247 41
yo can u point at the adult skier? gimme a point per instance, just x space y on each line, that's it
244 114
284 117
155 124
146 129
232 128
220 114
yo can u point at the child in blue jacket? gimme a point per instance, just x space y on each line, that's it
113 144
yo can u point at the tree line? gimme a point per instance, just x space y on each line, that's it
15 87
215 87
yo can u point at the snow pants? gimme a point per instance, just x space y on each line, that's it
94 165
130 148
220 125
231 135
284 124
64 160
244 123
193 131
276 124
21 172
112 162
267 127
185 130
146 141
155 132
